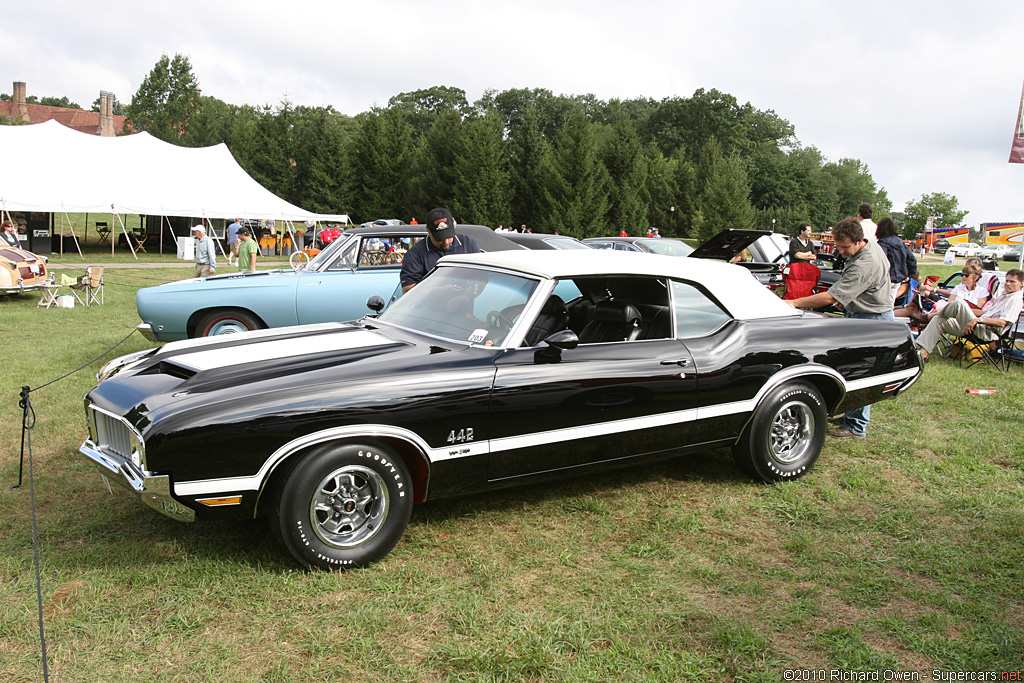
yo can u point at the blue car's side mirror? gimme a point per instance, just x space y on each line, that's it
375 303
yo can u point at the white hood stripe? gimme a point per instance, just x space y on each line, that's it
278 348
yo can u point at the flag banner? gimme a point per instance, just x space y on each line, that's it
1017 148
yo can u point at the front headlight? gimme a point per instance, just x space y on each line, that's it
115 366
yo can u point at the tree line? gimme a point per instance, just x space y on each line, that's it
691 166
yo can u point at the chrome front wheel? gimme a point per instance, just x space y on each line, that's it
343 505
349 506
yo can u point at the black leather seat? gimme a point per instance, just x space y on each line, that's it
657 321
613 321
553 317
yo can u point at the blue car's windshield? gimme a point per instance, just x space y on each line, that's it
328 253
470 305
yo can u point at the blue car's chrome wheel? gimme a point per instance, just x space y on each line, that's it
226 322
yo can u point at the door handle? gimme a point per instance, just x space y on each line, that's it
682 362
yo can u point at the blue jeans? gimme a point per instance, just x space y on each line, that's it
857 419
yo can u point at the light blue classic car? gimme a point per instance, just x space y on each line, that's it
333 286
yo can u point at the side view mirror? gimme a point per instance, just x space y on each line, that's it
375 303
563 340
554 344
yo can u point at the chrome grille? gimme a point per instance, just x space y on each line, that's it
114 436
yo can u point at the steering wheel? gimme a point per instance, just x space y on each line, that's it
499 321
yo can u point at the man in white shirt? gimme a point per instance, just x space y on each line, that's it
864 214
206 254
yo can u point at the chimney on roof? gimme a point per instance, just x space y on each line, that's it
106 128
20 110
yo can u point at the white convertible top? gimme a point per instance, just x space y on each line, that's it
734 286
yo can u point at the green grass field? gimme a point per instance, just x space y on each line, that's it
899 552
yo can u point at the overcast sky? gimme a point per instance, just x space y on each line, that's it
925 93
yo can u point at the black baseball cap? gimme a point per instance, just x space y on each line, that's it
441 224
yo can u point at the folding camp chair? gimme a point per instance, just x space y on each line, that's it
800 279
1007 346
972 349
89 288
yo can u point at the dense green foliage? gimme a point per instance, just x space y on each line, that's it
582 166
167 100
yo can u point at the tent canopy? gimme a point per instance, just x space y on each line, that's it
48 167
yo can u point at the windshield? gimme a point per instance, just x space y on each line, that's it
469 305
328 253
668 247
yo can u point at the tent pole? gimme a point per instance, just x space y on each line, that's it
216 239
170 229
73 235
291 234
86 237
127 239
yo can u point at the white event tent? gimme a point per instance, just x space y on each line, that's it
49 167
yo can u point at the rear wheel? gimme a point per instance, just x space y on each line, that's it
226 322
343 506
785 436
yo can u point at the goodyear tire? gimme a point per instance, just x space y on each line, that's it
785 436
226 322
344 506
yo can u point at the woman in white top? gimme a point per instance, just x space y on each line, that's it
969 290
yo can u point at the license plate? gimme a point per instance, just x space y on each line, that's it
34 269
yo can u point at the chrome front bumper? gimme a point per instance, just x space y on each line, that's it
153 490
146 330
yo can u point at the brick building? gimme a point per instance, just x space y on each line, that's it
104 122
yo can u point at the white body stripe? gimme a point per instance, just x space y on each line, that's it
254 482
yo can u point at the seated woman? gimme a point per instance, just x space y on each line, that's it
969 290
935 292
959 320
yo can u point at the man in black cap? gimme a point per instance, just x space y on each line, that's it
441 240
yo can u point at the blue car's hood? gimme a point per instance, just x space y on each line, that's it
228 279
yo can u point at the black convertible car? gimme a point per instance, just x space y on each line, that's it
499 369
